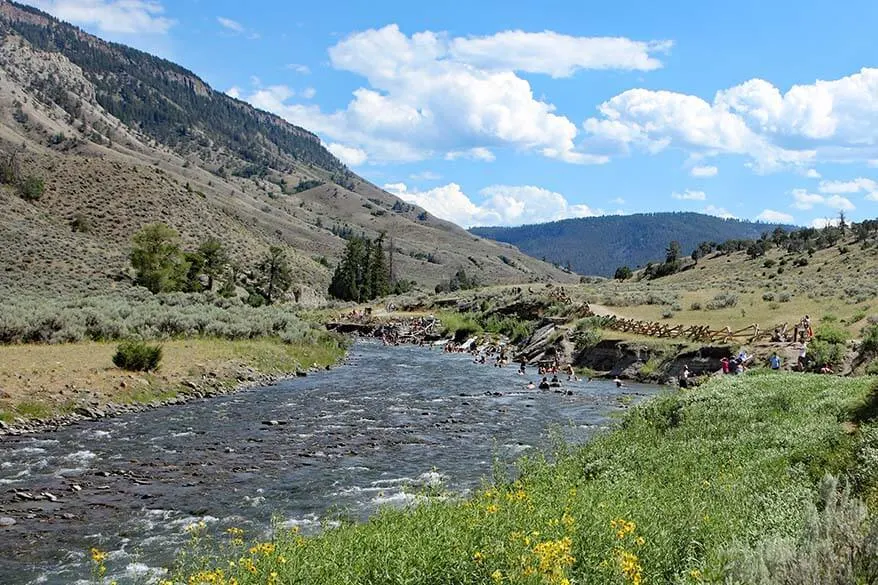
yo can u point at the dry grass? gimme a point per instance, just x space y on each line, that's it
844 286
37 381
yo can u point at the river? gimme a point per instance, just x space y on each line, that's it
373 432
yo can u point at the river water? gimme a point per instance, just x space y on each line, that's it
374 432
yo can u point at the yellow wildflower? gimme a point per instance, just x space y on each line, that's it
98 556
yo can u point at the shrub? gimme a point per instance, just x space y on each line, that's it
80 223
769 296
722 301
836 540
768 263
31 188
587 333
137 356
784 297
870 338
831 333
696 306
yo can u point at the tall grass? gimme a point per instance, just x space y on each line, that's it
141 315
681 492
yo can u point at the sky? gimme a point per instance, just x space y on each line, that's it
510 113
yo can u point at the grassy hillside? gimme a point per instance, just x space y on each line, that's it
122 139
599 245
839 283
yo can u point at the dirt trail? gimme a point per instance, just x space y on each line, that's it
602 310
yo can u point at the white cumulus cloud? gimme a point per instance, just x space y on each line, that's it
430 94
498 204
704 171
826 120
689 195
772 216
349 155
719 212
802 199
556 54
111 16
858 185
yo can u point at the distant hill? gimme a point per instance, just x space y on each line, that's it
599 245
121 139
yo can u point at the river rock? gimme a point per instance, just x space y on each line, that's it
6 521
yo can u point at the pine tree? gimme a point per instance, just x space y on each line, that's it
215 259
362 273
378 271
157 258
276 275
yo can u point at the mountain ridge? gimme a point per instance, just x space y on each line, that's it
599 245
123 139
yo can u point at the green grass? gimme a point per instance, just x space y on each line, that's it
33 409
459 325
681 491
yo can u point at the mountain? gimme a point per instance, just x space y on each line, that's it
121 139
599 245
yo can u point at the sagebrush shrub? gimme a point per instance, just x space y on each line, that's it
722 301
137 356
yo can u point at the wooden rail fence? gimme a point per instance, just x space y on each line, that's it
700 333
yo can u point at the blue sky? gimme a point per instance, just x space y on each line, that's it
503 113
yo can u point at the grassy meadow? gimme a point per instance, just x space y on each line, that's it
749 479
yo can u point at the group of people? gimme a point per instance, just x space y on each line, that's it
497 354
802 332
500 358
737 364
